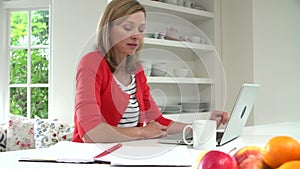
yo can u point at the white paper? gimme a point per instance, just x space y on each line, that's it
135 155
66 151
152 156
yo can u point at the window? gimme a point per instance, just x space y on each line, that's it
28 61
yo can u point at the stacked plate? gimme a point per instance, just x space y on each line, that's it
194 107
171 109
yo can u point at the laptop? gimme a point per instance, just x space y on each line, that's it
238 118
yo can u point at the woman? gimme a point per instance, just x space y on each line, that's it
113 101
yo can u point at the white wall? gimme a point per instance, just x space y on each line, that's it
237 55
260 40
260 43
276 32
74 21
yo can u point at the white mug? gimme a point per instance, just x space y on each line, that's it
204 134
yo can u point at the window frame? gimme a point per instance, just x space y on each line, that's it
8 6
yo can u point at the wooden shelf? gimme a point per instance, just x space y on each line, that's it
179 80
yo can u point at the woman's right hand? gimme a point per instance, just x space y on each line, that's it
153 130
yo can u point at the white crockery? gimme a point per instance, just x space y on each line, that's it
174 2
159 69
180 72
195 39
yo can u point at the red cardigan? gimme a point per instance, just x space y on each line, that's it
99 99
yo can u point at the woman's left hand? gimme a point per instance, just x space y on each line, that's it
220 116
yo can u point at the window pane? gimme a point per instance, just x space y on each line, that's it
40 27
39 102
39 65
18 66
18 101
19 28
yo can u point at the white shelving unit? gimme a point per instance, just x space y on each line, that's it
200 58
180 11
179 44
181 80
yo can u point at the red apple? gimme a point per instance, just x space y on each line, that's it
250 157
246 152
217 160
253 163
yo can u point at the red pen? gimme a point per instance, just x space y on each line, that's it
108 151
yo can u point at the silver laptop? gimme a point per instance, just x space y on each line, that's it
238 118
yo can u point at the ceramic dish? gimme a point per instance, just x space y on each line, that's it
172 109
174 2
194 107
180 72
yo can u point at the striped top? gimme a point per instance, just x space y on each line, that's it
130 117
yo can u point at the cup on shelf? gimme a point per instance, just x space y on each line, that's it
180 2
161 35
159 69
188 4
172 33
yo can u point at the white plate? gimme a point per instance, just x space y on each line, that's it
194 110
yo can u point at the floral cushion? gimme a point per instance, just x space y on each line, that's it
49 132
20 133
3 137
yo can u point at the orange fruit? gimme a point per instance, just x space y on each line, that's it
290 165
281 149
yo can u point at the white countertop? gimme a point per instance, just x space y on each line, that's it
252 135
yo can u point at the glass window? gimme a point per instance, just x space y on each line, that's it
29 60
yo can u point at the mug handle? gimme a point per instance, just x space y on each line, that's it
183 134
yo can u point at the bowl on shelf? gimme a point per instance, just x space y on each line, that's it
180 72
195 39
174 2
159 69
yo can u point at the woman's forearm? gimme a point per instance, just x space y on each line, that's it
105 133
175 127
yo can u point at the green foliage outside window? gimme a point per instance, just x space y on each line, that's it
29 46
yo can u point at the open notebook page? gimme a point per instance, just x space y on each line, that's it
128 154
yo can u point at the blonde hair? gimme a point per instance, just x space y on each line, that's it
116 9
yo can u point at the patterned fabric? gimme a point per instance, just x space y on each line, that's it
20 133
49 132
3 137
